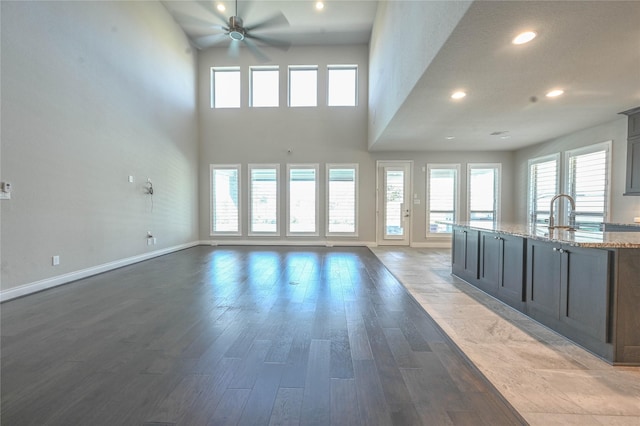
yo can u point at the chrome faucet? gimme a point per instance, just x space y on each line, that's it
572 217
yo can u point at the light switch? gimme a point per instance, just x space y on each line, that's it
130 179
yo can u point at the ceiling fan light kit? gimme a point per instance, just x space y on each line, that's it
235 31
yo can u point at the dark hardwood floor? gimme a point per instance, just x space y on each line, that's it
237 335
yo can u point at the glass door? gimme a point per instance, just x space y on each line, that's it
394 202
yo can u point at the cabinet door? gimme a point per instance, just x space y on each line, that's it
633 166
472 254
458 250
585 286
490 262
511 282
465 254
543 280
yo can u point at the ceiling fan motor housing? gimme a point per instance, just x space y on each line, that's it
236 30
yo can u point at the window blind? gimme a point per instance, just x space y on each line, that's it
543 185
588 173
264 200
302 200
225 200
442 195
342 200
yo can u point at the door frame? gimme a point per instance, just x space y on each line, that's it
380 164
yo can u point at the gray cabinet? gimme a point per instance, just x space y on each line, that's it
501 271
465 253
568 289
633 152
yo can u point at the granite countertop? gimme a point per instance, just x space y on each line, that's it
594 239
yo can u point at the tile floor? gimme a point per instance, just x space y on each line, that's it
547 378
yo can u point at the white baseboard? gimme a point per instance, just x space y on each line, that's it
46 283
287 243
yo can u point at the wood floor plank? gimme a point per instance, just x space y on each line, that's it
259 406
372 404
230 407
344 403
237 335
316 404
287 407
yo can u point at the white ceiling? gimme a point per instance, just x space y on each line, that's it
591 49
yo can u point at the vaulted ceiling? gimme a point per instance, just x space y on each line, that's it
589 49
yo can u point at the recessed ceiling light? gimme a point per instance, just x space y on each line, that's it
319 5
554 93
221 7
524 37
505 137
458 95
450 137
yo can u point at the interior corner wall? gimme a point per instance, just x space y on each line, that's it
398 61
622 208
92 93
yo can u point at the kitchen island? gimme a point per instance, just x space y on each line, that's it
584 285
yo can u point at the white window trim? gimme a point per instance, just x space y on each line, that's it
357 199
302 68
213 167
262 68
213 85
606 146
498 189
344 67
432 166
249 200
316 167
537 160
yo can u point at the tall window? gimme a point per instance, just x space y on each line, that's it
342 199
303 86
483 188
302 199
225 199
543 185
442 197
225 87
265 89
264 196
342 85
588 183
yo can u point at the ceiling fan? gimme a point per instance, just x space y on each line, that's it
237 33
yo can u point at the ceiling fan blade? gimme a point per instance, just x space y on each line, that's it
277 20
256 52
278 44
194 21
209 7
234 48
210 40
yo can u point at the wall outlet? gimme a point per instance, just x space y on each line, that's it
55 260
154 241
149 241
130 179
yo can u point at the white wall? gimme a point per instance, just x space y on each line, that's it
406 36
623 208
265 135
93 92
